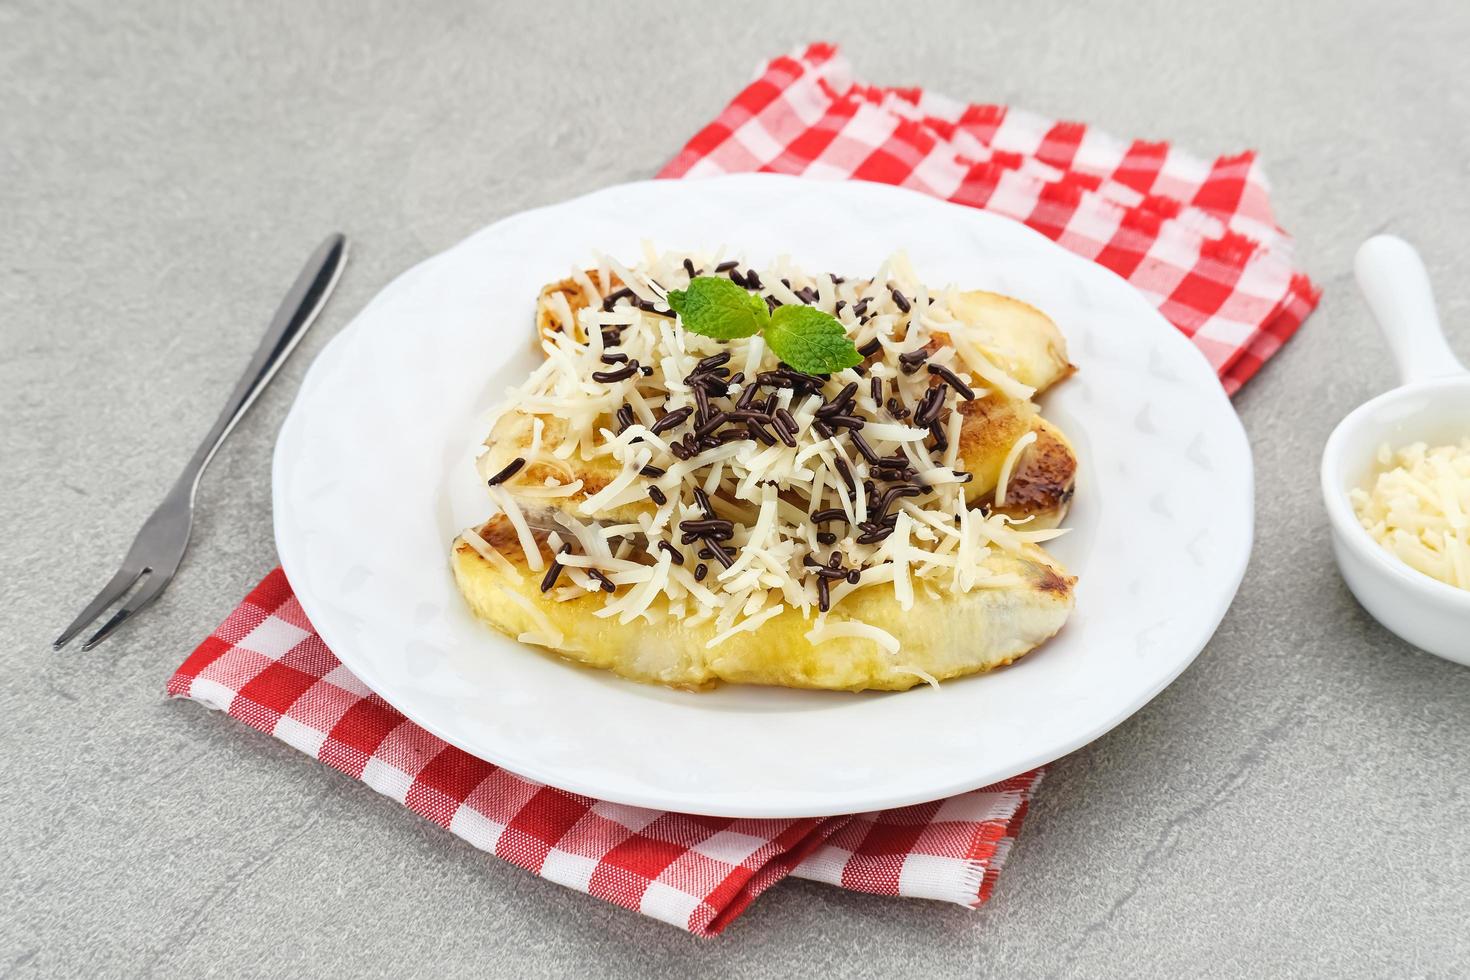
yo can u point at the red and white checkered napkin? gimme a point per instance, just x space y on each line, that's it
1197 238
266 666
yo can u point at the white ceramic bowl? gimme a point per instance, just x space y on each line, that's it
1433 406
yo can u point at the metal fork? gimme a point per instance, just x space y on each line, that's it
159 547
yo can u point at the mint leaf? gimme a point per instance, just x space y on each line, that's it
716 307
810 340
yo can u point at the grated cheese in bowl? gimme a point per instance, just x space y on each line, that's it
1418 509
729 486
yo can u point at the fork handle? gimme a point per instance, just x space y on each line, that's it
295 315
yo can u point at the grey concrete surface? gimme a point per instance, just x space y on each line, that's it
1295 805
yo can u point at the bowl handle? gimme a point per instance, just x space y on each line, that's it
1396 285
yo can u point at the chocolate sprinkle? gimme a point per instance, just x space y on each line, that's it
621 374
511 469
931 405
602 580
787 420
846 474
611 300
893 493
711 424
910 362
721 555
863 447
712 362
648 307
941 441
839 401
671 420
675 554
554 572
657 496
758 433
710 525
700 571
727 265
964 390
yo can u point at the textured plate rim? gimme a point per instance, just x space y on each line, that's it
1206 623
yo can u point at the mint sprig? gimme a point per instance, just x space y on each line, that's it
718 308
803 336
811 340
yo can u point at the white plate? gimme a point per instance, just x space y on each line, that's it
373 478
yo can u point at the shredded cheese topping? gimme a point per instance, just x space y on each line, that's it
482 548
1418 509
1012 457
825 631
731 488
545 634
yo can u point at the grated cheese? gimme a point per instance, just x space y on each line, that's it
1017 448
748 625
1418 509
768 493
551 490
512 511
482 548
922 675
545 633
825 631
